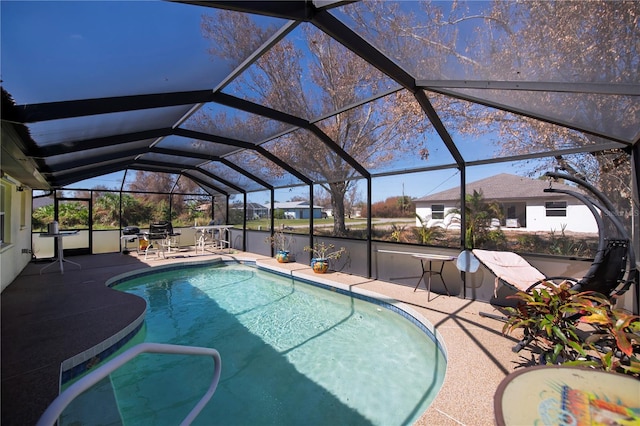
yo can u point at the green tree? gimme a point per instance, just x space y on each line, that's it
155 190
405 205
41 217
72 214
135 211
106 209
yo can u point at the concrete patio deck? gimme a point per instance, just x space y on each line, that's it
51 317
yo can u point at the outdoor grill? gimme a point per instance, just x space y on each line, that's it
130 230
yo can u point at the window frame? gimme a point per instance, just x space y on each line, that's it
437 213
555 208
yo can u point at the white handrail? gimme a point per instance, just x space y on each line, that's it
51 414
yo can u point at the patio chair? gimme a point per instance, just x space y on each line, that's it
211 237
204 238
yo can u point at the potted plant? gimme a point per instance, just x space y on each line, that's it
281 242
556 320
322 253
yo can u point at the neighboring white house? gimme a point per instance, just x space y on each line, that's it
253 211
525 205
298 210
256 211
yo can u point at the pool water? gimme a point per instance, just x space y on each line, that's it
292 354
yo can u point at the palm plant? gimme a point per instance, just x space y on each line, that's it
478 215
427 234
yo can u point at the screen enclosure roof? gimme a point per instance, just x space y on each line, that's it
234 97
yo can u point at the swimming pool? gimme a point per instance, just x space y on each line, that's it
292 353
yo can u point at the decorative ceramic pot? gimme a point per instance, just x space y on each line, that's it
282 256
320 266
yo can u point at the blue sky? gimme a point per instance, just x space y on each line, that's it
76 61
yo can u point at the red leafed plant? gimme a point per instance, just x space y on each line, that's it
616 335
552 316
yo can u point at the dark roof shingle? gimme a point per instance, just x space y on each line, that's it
503 186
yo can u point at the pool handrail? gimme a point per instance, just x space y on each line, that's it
55 409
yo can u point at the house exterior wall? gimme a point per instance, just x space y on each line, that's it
578 219
17 205
424 211
303 213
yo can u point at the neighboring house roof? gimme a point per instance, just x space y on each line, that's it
251 206
294 205
503 186
255 206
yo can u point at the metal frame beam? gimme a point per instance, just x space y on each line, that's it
299 10
247 106
103 142
108 157
32 113
528 114
206 184
535 86
59 180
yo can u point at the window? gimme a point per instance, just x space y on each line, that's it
556 208
5 190
23 209
437 211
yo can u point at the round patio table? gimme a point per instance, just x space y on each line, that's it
557 395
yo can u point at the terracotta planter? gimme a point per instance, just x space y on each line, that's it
282 256
320 266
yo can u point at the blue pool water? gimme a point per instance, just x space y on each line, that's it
292 354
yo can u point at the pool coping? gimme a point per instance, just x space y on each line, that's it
79 364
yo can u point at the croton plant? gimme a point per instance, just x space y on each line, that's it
577 328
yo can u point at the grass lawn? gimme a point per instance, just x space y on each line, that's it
303 224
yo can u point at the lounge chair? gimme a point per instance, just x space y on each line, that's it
511 269
606 274
612 271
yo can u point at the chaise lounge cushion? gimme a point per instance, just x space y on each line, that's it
510 267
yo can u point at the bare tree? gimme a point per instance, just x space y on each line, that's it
572 42
309 75
539 41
